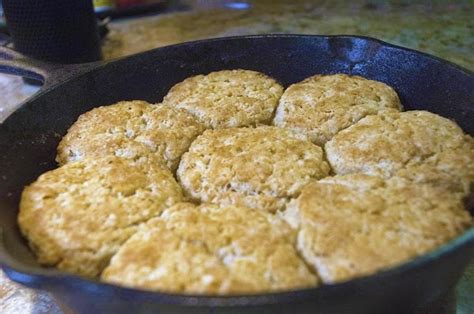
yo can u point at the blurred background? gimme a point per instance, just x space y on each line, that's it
442 28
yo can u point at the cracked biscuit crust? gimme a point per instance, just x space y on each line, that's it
415 144
260 168
226 99
322 105
132 130
211 249
451 169
355 225
77 216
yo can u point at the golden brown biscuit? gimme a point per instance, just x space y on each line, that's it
260 168
355 225
77 216
211 249
423 143
322 105
451 169
229 98
133 130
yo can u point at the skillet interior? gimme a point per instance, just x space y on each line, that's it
29 137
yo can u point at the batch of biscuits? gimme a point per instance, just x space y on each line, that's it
235 185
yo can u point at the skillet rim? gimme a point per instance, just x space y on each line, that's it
97 65
51 279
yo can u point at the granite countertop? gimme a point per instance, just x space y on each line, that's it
436 27
444 30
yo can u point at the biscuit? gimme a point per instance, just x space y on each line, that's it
322 105
416 144
451 169
354 225
229 98
211 249
133 130
260 168
77 216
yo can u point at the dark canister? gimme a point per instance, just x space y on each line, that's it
61 31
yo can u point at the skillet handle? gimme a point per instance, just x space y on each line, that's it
50 74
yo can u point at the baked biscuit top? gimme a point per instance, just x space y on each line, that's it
322 105
451 169
228 98
389 141
78 215
354 225
132 130
211 249
256 167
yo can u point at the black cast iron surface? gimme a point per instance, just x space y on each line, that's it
29 137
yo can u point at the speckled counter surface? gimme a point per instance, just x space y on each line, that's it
445 30
436 27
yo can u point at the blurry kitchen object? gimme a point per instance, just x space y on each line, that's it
118 8
213 4
3 26
103 5
54 30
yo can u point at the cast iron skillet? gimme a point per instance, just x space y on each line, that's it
28 140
